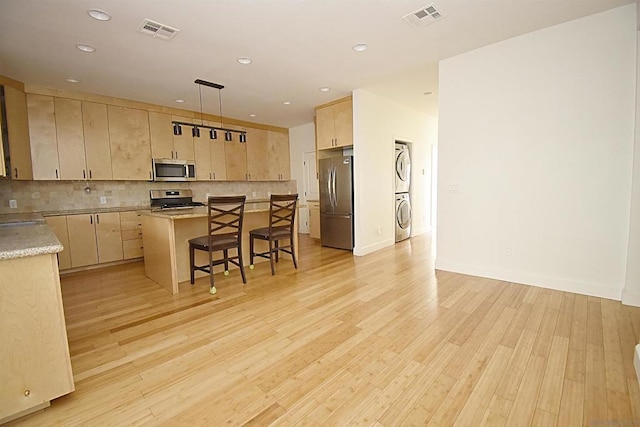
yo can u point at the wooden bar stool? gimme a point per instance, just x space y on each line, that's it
282 214
225 214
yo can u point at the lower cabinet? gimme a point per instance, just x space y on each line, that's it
314 220
131 225
90 239
94 238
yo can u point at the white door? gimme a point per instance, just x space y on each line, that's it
310 177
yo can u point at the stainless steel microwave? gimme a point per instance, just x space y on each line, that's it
174 170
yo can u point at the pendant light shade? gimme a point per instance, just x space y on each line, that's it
195 132
177 129
243 137
228 136
213 134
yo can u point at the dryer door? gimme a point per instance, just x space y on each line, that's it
403 217
403 169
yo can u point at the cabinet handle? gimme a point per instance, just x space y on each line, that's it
150 176
214 175
16 169
97 219
90 174
91 219
56 173
84 174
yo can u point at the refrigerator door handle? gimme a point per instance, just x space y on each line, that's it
329 187
335 195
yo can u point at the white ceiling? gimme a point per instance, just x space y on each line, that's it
297 46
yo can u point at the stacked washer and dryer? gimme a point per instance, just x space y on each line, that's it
403 186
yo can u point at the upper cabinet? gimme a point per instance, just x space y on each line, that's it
334 124
42 133
166 145
70 139
210 155
129 141
96 140
257 154
19 165
279 164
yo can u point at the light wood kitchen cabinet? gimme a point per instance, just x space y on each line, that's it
131 225
42 134
210 156
94 238
166 145
314 219
58 225
279 164
129 142
35 366
334 124
70 139
19 166
236 158
258 159
96 140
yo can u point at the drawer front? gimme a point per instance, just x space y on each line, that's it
132 248
131 234
130 220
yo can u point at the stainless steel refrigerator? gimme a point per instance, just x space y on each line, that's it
336 202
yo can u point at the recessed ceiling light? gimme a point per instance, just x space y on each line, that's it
98 14
325 89
360 47
427 93
286 102
70 80
179 101
244 60
252 115
85 47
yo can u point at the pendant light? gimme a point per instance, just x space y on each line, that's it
213 134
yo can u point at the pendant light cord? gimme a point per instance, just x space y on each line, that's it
220 102
200 91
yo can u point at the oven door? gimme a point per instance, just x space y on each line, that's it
173 170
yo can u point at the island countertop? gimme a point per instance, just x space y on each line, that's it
23 235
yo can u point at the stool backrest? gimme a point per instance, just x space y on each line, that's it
282 212
226 214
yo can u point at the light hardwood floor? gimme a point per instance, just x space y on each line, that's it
377 340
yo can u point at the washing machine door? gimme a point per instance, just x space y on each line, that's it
403 169
403 217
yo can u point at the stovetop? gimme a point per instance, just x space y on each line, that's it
172 199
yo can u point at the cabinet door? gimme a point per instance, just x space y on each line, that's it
279 164
18 130
42 134
129 140
236 160
324 127
96 140
343 123
258 155
314 220
218 161
108 236
183 144
202 147
58 225
161 133
82 240
70 137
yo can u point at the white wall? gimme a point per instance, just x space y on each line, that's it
301 139
535 149
377 123
631 293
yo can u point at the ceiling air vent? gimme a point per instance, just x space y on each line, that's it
423 16
157 30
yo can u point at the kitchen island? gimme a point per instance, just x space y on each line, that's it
34 353
166 236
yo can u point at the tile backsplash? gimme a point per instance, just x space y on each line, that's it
52 196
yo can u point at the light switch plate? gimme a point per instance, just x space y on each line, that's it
103 200
13 204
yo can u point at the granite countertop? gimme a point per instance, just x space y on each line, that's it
96 210
198 212
23 235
